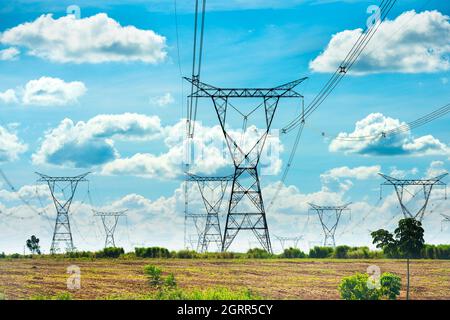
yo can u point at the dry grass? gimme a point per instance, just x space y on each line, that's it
272 279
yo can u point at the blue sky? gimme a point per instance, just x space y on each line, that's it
104 94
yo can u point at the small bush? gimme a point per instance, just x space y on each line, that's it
355 287
170 281
321 252
110 253
341 252
2 255
154 275
258 254
186 254
292 253
152 252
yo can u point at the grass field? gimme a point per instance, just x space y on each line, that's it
270 279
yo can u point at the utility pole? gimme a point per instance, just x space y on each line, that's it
62 232
329 225
212 191
110 220
246 207
400 187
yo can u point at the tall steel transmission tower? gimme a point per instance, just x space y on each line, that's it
293 240
400 188
62 232
110 220
246 207
329 225
212 190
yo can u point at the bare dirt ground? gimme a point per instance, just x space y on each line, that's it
272 279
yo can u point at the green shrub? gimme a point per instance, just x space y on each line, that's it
321 252
154 275
170 281
2 255
292 253
109 253
2 296
258 253
390 285
152 252
356 287
341 252
186 254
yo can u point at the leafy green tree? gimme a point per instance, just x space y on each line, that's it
33 245
407 241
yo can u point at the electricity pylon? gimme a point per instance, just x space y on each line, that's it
197 219
400 186
246 208
294 240
110 220
212 190
329 227
62 232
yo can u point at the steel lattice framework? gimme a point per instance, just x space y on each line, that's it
294 240
400 186
445 219
212 232
62 232
245 185
110 220
329 230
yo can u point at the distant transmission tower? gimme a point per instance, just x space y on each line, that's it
400 187
329 226
110 220
246 208
212 190
293 240
62 232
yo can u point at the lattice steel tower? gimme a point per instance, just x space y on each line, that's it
62 232
329 227
294 240
400 186
110 220
246 208
212 190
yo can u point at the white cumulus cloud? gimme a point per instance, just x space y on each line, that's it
162 101
85 144
47 91
94 39
10 146
9 53
411 43
403 143
8 97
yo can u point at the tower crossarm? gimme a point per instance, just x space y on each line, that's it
195 178
207 91
414 182
109 213
330 208
446 217
45 178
